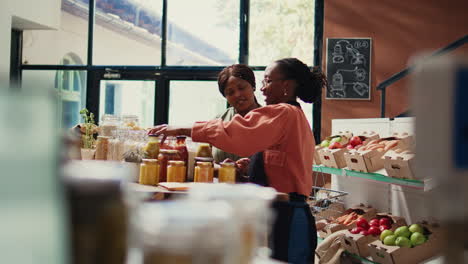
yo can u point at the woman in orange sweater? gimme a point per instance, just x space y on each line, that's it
279 140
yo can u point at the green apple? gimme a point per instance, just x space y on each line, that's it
390 240
336 139
403 231
416 228
403 242
385 233
325 143
417 239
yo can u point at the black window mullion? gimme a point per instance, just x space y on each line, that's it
244 32
15 58
92 82
161 108
164 34
318 40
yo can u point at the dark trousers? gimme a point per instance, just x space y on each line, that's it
294 235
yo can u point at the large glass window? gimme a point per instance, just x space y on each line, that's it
128 98
280 29
70 90
127 32
191 101
202 32
47 46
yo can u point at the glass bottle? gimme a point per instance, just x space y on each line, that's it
130 122
176 171
203 172
182 147
149 172
227 172
164 156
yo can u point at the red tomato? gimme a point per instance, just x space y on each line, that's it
374 222
385 221
364 233
362 222
349 146
374 230
335 145
356 230
384 227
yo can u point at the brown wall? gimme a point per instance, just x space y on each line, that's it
399 29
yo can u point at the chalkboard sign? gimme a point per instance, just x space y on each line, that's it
348 68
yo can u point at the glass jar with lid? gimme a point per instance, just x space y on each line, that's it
152 147
164 156
102 148
204 150
170 232
176 171
227 172
149 172
203 172
130 121
108 125
251 204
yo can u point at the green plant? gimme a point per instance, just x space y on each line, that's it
88 124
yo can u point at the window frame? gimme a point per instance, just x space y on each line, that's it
163 74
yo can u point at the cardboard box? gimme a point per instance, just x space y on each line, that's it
398 255
363 211
317 160
399 165
371 160
358 244
334 210
333 158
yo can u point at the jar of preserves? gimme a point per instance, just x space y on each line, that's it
203 172
102 148
176 171
164 156
227 172
204 150
130 122
149 172
182 147
152 147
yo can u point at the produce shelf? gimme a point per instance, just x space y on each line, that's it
379 176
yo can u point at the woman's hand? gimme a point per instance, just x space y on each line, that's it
243 165
167 130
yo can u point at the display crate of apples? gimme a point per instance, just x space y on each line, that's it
407 244
368 158
356 240
399 164
330 151
347 220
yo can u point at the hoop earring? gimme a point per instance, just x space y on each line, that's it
285 93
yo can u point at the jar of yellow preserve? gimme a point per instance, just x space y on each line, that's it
203 172
149 172
204 150
227 172
152 147
176 171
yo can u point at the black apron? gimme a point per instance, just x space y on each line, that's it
293 215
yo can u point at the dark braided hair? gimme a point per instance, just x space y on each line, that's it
236 70
309 83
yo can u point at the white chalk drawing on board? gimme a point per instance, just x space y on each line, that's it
338 85
351 52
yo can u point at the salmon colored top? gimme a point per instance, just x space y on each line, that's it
281 131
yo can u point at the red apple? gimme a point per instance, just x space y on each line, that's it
385 221
355 141
356 230
350 146
364 233
335 145
374 230
374 222
362 222
384 227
